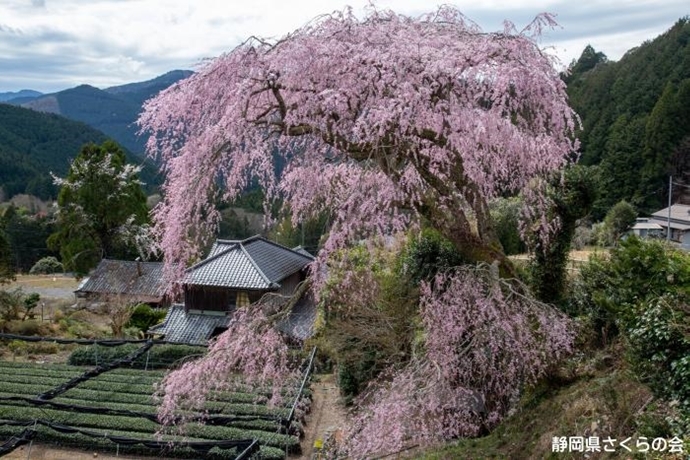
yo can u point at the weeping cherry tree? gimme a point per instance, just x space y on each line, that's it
384 122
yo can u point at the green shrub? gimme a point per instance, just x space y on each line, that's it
354 375
143 317
46 266
96 354
505 213
642 292
28 327
43 348
11 304
617 221
17 347
429 254
613 289
659 350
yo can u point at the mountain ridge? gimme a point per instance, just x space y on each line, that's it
21 94
113 110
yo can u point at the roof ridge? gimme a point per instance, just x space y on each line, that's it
274 243
225 241
256 266
215 256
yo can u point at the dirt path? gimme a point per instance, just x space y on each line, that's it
41 452
327 416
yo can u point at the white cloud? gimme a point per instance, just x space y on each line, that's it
107 42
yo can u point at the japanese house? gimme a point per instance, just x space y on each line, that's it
235 274
678 223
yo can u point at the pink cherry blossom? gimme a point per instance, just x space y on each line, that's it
383 120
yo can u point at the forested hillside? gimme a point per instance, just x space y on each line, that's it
636 118
34 144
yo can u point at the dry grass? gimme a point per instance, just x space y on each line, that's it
57 281
575 260
600 397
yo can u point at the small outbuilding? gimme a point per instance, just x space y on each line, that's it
125 281
643 228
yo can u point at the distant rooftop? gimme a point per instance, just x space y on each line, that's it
680 217
678 212
646 226
124 277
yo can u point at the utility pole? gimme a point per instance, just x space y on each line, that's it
670 192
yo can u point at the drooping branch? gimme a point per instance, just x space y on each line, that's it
386 114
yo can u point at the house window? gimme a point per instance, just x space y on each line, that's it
242 299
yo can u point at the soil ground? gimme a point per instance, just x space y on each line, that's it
41 452
327 416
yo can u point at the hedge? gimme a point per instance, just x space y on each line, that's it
142 425
131 389
48 435
245 422
160 356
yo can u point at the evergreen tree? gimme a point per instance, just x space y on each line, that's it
667 126
619 218
27 234
622 164
6 266
588 60
102 208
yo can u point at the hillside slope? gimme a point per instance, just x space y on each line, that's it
600 397
636 118
34 144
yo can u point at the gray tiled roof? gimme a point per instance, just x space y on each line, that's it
123 277
183 327
303 251
254 263
197 328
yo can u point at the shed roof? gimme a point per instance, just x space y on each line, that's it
197 328
253 263
299 324
125 277
185 327
646 226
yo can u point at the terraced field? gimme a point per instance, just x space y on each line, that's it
115 412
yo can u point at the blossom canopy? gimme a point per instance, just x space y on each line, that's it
382 120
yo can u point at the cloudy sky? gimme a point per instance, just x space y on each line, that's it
49 45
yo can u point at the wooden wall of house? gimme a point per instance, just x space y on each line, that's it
289 284
208 298
90 298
